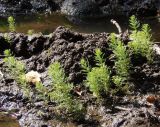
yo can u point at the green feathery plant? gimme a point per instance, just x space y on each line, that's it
11 22
7 38
42 91
61 90
98 78
134 23
122 62
141 39
17 70
85 65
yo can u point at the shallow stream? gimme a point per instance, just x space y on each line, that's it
48 23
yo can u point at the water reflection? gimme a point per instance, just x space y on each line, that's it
48 23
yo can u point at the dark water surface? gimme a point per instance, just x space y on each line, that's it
47 23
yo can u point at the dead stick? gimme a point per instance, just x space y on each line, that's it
122 108
117 25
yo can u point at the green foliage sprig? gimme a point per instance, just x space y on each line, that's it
7 38
122 62
98 78
17 71
134 23
61 90
42 91
17 68
85 65
141 39
11 23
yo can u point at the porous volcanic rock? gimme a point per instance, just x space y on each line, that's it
82 7
62 45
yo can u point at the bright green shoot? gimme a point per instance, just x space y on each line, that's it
17 71
134 23
61 90
17 67
98 78
85 65
122 61
99 57
141 40
11 22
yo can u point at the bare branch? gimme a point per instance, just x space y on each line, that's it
117 25
122 108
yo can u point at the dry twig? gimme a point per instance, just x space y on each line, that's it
117 25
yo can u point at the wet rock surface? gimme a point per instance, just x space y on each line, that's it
113 7
82 8
68 47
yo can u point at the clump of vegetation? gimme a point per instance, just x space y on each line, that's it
98 78
17 70
42 91
7 38
11 23
134 23
141 39
61 91
122 61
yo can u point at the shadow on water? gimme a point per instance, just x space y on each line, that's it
48 23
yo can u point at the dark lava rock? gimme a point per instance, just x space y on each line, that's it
26 46
3 44
82 7
63 45
69 48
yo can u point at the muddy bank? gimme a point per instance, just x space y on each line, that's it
68 47
7 120
92 8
